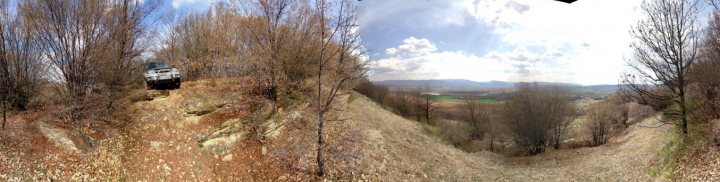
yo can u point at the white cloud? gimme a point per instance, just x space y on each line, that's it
413 47
419 59
597 22
592 34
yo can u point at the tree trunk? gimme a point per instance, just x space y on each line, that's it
321 107
4 111
491 142
683 115
683 103
427 109
321 167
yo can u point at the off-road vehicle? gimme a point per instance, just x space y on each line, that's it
161 74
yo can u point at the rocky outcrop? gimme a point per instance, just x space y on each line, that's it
265 122
65 139
200 106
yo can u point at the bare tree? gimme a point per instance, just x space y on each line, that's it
562 113
339 65
4 63
20 65
125 21
538 117
206 45
281 32
169 41
81 39
476 117
428 105
598 125
703 73
73 34
424 106
665 46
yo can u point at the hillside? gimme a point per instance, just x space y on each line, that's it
403 151
201 132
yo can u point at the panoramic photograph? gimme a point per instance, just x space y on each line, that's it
360 90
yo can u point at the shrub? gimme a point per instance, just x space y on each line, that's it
600 122
476 117
538 117
455 132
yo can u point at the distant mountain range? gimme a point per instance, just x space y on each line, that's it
461 84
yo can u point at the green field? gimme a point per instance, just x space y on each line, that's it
448 98
488 101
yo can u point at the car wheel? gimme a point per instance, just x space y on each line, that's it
148 86
177 85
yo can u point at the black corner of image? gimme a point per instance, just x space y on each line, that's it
567 1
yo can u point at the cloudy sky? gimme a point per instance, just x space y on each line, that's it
586 42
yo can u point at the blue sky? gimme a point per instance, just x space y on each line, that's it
586 42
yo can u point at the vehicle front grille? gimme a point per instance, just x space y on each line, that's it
165 81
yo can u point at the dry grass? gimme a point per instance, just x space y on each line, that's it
394 146
366 142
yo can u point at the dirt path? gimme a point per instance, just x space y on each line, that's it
162 142
402 151
160 146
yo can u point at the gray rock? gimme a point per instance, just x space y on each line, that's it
263 123
68 140
199 107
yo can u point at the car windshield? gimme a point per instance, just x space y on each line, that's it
157 65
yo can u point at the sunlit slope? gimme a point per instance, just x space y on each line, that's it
396 148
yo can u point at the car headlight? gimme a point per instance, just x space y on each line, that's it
175 72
